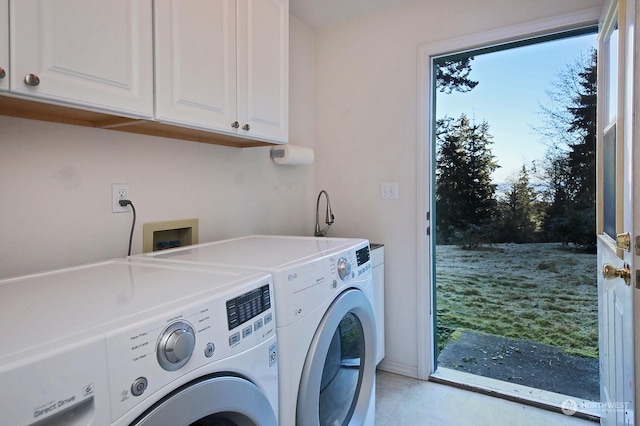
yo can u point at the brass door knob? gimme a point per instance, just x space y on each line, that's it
3 73
610 271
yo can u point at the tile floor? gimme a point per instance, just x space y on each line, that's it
403 401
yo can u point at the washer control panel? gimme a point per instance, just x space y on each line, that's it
165 348
247 306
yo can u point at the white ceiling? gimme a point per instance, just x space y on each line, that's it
322 13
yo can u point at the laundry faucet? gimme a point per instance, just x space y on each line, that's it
328 217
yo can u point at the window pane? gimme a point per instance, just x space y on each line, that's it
609 184
611 48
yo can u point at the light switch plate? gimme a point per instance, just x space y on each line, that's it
389 191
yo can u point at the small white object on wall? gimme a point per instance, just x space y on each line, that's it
389 191
292 155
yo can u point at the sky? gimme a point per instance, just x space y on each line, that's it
512 87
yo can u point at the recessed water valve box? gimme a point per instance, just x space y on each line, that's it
165 235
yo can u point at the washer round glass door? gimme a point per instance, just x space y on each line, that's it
213 401
337 380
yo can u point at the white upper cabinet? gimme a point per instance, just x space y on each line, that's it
263 68
94 54
4 45
196 63
222 65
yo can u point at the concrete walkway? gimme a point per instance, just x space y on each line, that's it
525 363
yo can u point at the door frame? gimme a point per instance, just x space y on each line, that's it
426 316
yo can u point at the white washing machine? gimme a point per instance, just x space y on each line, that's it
126 343
324 320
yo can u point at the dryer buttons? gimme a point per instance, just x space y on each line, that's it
139 386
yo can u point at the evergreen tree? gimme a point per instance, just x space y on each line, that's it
451 164
453 75
555 224
582 155
518 210
465 196
571 170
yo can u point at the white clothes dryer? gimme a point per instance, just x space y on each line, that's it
324 320
127 343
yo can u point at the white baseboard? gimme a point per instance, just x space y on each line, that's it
396 368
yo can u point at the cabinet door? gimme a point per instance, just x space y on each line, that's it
263 69
91 53
195 54
4 45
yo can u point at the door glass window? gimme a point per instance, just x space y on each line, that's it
342 372
609 182
609 151
611 79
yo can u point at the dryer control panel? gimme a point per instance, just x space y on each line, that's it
352 264
302 287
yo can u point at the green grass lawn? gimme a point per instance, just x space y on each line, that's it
544 293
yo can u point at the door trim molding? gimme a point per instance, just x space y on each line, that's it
424 158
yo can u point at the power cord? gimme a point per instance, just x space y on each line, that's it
125 203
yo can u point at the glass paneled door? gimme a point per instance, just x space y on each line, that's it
615 222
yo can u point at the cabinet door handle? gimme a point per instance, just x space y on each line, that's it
246 127
32 80
235 124
3 74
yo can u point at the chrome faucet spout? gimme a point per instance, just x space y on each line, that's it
329 218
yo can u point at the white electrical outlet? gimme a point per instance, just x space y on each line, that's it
389 191
120 191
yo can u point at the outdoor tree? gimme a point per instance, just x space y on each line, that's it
582 154
465 195
453 75
555 222
570 173
518 210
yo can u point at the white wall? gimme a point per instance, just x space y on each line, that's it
366 132
55 184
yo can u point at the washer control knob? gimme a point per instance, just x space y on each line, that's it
175 346
139 386
344 268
